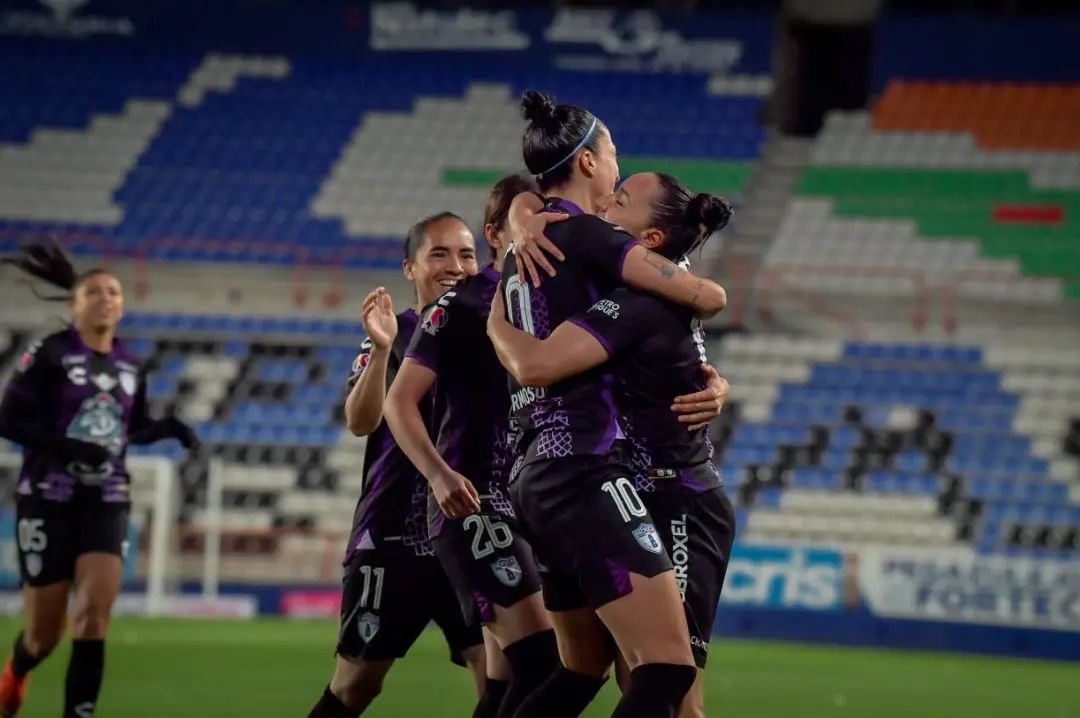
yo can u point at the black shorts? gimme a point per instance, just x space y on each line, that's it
487 560
51 535
698 530
389 596
590 528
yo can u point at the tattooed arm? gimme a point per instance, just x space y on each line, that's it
650 272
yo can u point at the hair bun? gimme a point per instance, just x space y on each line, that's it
538 108
712 211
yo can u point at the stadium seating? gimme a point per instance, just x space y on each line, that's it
823 442
935 188
278 160
901 444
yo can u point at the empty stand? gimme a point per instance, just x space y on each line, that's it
280 160
901 444
908 200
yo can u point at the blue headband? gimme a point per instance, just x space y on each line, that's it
572 152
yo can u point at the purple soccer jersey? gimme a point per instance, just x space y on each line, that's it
471 412
656 349
393 500
577 416
62 388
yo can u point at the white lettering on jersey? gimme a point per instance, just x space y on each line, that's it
680 554
525 396
606 306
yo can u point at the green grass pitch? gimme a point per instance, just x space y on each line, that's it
277 669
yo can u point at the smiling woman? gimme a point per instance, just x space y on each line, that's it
392 585
76 402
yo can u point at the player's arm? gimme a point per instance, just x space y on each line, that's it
612 254
526 222
454 493
699 408
568 351
145 429
650 272
23 411
364 404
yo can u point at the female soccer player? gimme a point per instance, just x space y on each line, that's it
76 402
467 464
658 353
574 495
393 585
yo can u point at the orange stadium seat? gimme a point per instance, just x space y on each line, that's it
1000 115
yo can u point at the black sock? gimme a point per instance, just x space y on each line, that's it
330 707
22 660
565 694
83 683
655 690
532 660
488 705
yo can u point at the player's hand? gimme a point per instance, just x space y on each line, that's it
456 496
531 246
378 318
497 313
183 433
700 408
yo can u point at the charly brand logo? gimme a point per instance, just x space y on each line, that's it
508 571
368 625
648 538
64 20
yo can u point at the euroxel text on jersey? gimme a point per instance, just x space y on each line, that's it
680 554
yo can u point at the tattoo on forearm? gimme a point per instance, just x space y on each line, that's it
666 268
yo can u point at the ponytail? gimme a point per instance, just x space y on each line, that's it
46 260
687 220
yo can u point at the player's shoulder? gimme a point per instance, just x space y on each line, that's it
592 224
124 359
472 293
54 345
44 350
407 320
